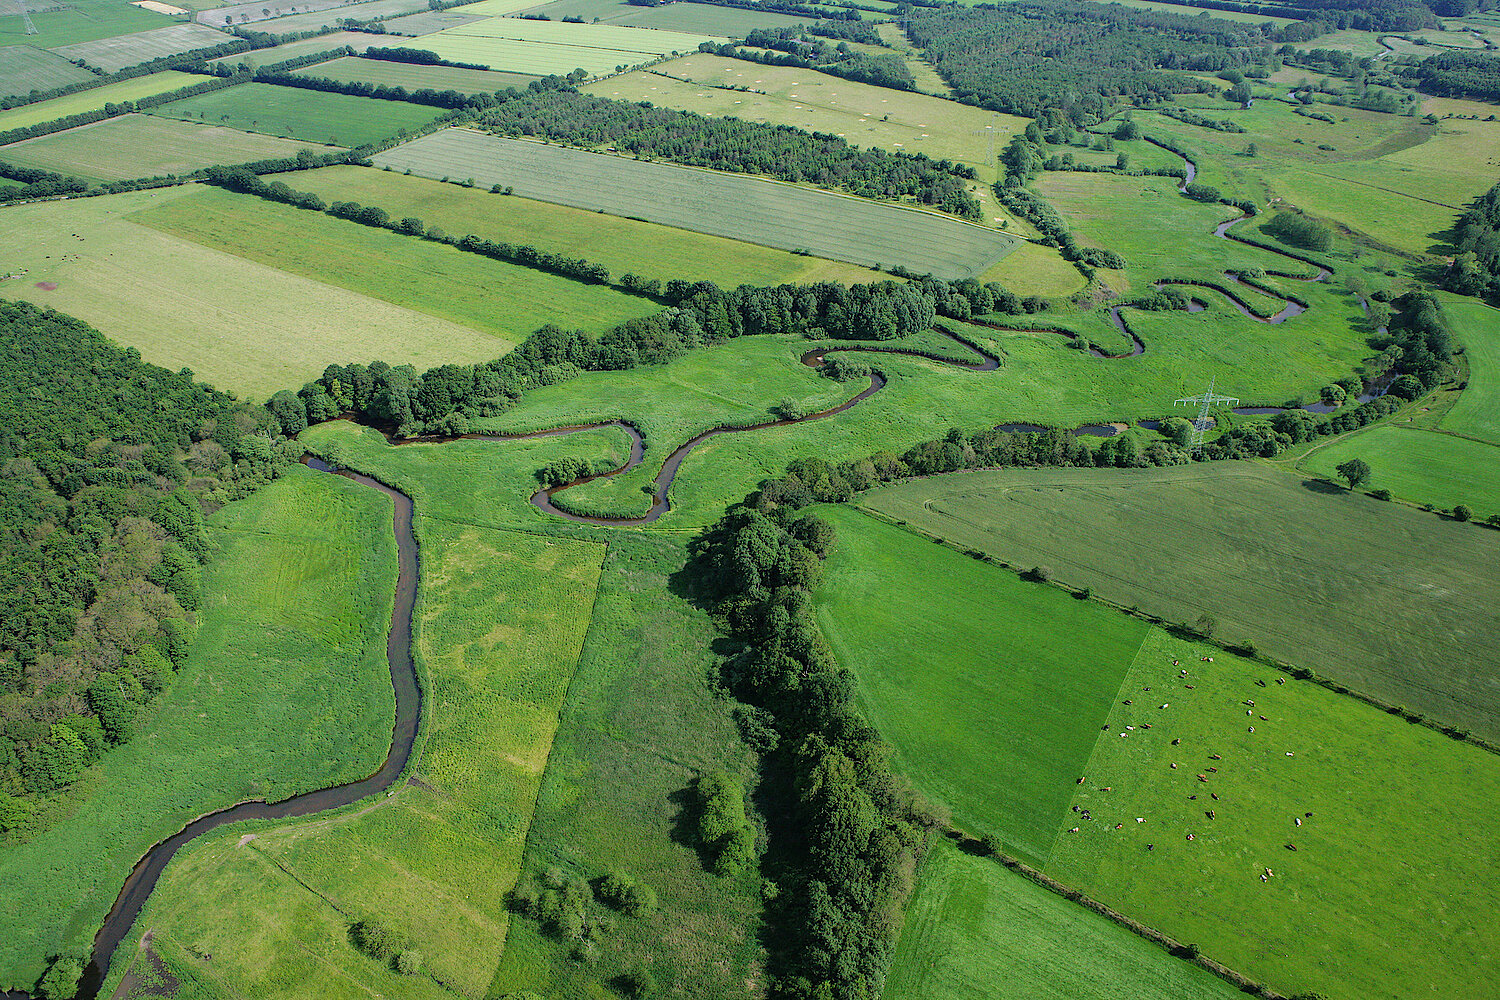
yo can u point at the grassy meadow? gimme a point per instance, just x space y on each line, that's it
80 21
311 115
540 48
611 240
1393 872
347 69
1418 465
1477 327
285 690
990 688
1386 599
89 100
24 69
975 930
114 54
256 58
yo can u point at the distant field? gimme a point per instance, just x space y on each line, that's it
429 22
691 17
285 690
620 244
257 58
113 54
1390 600
315 116
991 689
294 23
1419 465
80 21
241 326
249 13
542 47
1188 11
412 77
1387 893
24 69
780 215
974 929
144 146
89 100
1477 327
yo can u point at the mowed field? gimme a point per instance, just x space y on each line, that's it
316 20
975 930
146 146
546 47
611 240
1388 600
689 17
1419 465
114 54
394 74
24 69
991 689
335 119
769 213
1385 888
256 58
80 21
242 326
285 690
89 100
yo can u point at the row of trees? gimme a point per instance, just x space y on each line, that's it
882 70
1476 269
111 109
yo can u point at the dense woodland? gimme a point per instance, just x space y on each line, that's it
104 463
1476 270
1458 74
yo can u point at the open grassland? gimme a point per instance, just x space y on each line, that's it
80 21
505 301
975 930
545 47
336 119
770 213
256 58
285 689
640 723
1388 600
256 330
501 620
145 146
1033 269
1419 465
625 246
89 100
1477 327
991 689
114 54
394 74
24 69
1388 890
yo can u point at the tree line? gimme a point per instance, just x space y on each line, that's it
1457 74
883 70
416 57
111 109
1476 269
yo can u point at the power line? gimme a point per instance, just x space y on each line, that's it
1204 402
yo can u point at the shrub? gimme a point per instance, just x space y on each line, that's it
1041 574
624 893
1462 512
1299 230
1381 494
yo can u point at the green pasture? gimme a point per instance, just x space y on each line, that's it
990 689
1032 269
1419 465
133 146
695 18
90 100
286 689
975 930
312 115
413 77
80 21
1386 599
1408 224
505 301
516 45
1477 327
1388 890
24 69
640 722
257 58
625 246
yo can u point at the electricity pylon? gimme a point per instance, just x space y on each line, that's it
26 17
1204 402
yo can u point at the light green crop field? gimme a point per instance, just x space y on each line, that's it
975 930
256 58
114 54
335 119
412 77
625 246
639 724
80 21
89 100
133 146
515 45
501 621
991 689
505 301
774 214
24 69
1183 10
1477 327
267 329
314 20
1385 889
285 690
694 18
1419 465
1387 599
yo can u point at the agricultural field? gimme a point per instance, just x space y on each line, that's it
80 21
114 54
251 13
1404 620
770 213
610 240
1187 10
257 58
309 115
539 48
94 98
973 925
91 259
24 69
285 690
393 74
317 20
697 18
145 146
1422 466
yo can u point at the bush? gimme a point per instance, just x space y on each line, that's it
636 984
1381 494
1299 230
1462 512
624 893
1040 574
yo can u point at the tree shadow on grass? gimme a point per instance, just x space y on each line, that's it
1324 486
